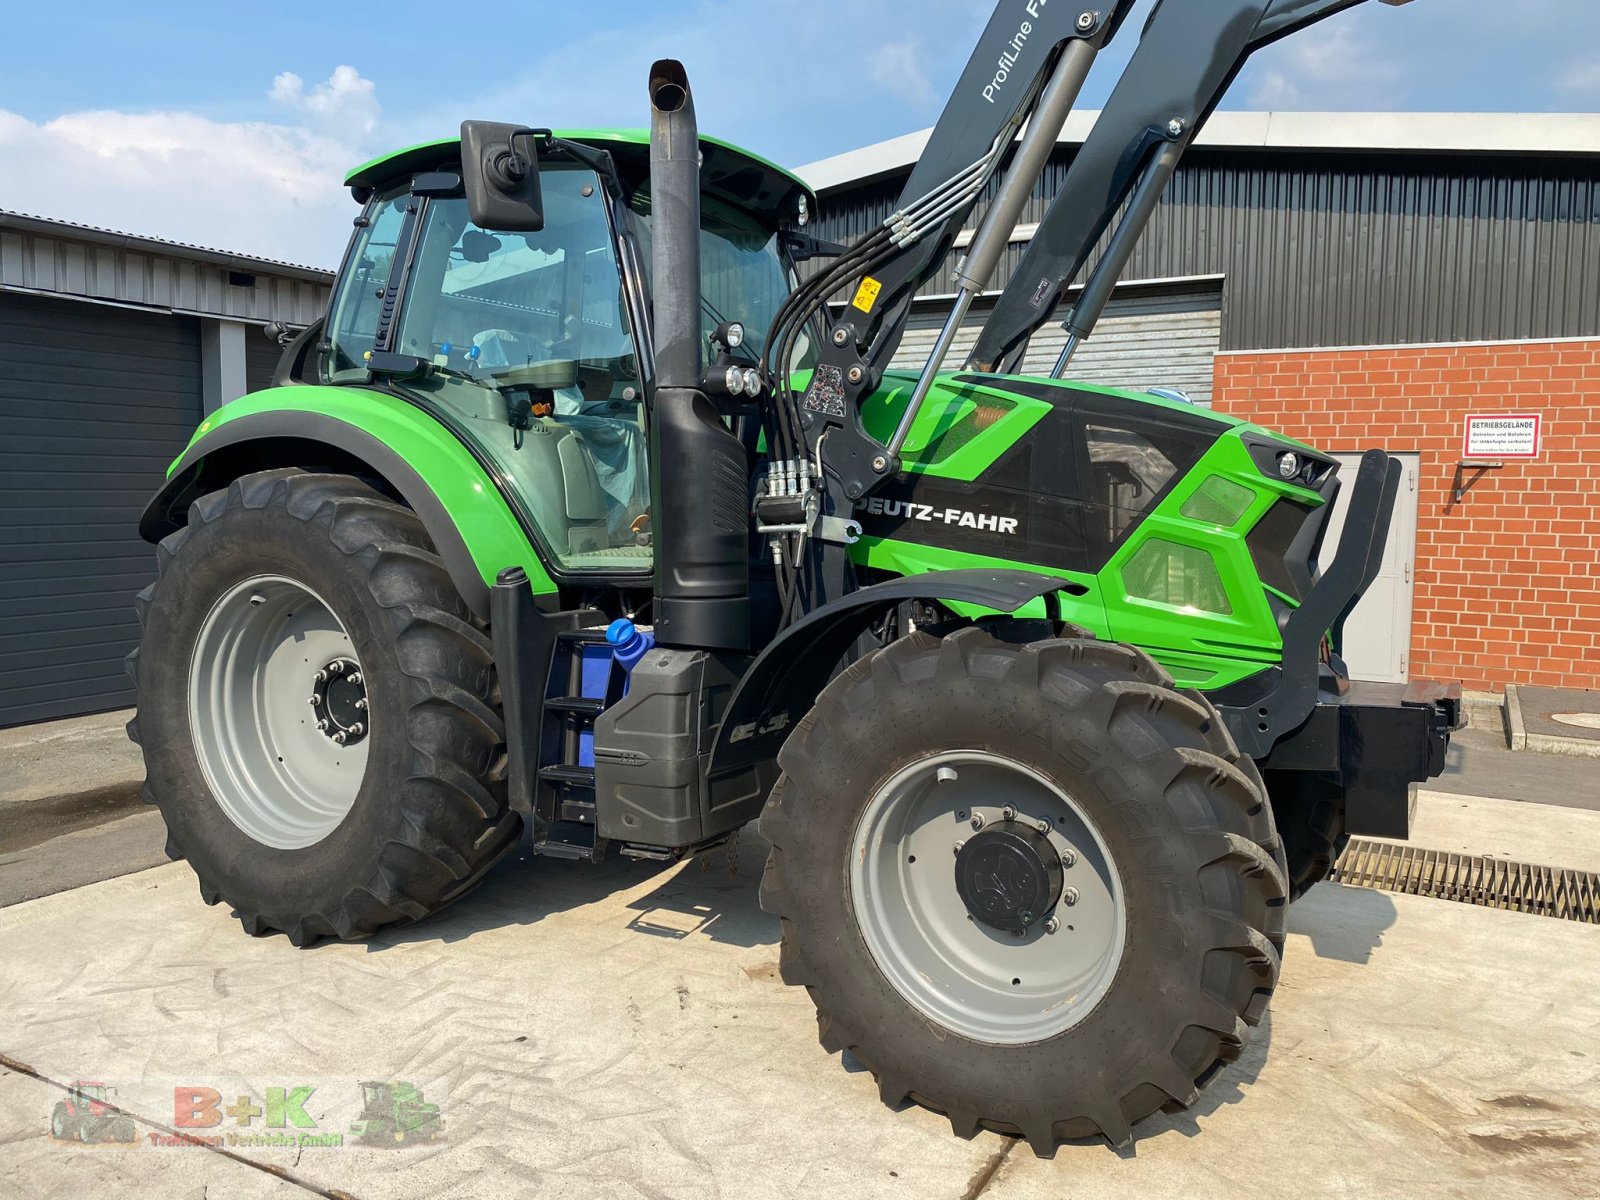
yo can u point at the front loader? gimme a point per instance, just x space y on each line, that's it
582 523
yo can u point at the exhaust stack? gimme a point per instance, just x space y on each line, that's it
700 522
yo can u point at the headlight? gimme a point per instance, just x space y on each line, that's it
734 381
734 332
1288 464
752 382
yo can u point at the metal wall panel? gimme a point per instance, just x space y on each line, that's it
1342 248
1142 341
56 263
95 401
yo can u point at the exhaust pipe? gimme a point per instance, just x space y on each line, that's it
698 474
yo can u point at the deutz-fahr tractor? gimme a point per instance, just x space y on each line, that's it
591 520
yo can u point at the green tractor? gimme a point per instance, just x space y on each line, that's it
395 1114
590 520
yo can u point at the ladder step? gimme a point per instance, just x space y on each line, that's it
561 773
581 811
588 706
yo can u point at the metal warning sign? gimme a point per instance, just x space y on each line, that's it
1501 435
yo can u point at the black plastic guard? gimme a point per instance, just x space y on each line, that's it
786 678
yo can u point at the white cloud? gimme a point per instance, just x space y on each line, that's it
344 102
900 68
1581 77
1326 67
255 187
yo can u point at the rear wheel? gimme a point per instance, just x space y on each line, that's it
1032 886
317 710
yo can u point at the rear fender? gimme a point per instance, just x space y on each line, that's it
365 433
786 678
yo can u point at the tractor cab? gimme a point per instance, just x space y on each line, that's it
535 344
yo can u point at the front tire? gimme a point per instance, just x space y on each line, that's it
1173 841
291 609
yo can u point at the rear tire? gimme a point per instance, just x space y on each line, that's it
425 814
1183 823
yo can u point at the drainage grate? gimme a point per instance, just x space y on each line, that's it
1471 879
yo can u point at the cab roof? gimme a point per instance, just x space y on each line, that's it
728 171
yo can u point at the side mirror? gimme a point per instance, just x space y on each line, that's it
500 170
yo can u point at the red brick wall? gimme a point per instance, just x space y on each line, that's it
1508 578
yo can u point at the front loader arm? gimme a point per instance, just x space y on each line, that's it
1026 46
1189 53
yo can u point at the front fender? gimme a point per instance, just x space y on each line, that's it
786 678
474 530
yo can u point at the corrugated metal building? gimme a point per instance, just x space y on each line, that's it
1306 229
111 349
1357 280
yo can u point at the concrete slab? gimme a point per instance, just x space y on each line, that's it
1419 1049
1511 829
1561 720
1481 764
621 1031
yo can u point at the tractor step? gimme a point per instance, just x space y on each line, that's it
583 706
561 773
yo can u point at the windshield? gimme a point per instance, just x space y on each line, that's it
744 276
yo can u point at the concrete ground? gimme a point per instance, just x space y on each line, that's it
621 1031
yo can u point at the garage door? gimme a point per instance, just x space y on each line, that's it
95 401
1143 340
261 355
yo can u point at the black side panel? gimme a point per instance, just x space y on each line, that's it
95 401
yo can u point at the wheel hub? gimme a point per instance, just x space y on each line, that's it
339 701
1009 876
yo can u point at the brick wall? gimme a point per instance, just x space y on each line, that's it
1508 578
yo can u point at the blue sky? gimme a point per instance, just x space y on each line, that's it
230 124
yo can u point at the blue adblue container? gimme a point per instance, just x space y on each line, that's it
628 644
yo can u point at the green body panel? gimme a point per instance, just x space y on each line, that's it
486 524
1205 649
397 162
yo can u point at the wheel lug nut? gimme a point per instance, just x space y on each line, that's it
1025 917
361 704
1008 813
341 737
322 725
1069 897
1069 857
357 729
313 700
1042 825
322 677
1052 924
957 847
354 677
977 820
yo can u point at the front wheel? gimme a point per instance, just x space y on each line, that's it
317 710
1031 886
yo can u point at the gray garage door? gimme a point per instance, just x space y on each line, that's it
95 401
1159 338
261 355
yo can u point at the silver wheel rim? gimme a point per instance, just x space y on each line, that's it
276 775
983 983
